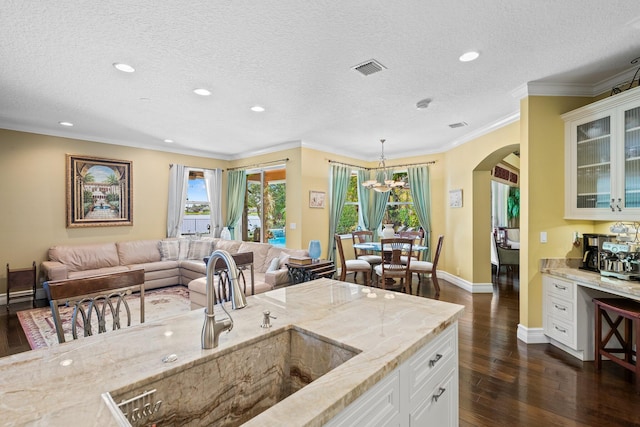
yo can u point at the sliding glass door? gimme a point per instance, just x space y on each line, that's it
264 216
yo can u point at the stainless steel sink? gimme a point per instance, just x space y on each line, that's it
235 386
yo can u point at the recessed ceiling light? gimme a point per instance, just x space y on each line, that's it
169 141
65 124
125 68
202 92
257 108
469 56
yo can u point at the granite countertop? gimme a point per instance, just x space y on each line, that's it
62 384
568 269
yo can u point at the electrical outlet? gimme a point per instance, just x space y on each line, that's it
292 225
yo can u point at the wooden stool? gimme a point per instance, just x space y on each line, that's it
629 311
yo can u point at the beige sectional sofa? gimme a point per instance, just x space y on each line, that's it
168 262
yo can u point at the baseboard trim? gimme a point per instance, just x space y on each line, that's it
531 335
474 288
22 295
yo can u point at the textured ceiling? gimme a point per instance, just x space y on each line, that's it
294 57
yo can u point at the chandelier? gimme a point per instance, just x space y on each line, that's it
387 182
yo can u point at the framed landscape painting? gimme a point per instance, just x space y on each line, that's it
98 192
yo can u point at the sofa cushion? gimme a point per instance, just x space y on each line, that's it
138 251
97 272
260 251
230 246
274 264
169 250
198 249
86 257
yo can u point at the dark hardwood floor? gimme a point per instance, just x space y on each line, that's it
503 382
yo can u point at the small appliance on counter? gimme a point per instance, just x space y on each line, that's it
592 246
620 260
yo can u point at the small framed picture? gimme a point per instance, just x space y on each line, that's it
455 198
316 199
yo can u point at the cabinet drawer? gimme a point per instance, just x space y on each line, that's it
379 406
440 406
560 331
560 309
559 287
426 365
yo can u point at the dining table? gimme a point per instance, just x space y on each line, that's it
377 247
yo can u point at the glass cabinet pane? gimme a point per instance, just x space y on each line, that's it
593 156
632 158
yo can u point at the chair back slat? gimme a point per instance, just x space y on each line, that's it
92 299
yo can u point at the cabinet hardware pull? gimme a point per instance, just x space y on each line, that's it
562 288
564 331
434 360
440 392
611 205
559 307
618 205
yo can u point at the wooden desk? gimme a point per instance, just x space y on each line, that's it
299 273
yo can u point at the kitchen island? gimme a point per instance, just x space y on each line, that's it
64 384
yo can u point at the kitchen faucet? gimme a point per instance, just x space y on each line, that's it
212 329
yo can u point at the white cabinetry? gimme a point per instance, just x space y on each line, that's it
568 315
423 391
602 159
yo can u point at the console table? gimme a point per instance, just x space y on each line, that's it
21 279
299 273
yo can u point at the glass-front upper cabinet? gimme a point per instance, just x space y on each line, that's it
602 159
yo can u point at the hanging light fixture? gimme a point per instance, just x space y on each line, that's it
387 183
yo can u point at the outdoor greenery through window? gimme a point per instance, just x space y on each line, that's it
399 212
265 206
197 210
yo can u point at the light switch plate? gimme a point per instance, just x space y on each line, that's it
543 237
292 225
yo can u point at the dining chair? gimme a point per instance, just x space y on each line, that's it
504 257
365 236
352 265
96 302
425 267
392 267
418 239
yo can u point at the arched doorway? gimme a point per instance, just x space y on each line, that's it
482 212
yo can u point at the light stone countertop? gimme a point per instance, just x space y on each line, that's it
568 269
37 389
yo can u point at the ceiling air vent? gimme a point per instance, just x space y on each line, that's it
369 67
458 125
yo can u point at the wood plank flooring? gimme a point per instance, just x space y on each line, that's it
503 382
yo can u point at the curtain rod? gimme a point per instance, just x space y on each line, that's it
259 164
389 166
196 167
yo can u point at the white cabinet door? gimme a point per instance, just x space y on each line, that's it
602 159
440 408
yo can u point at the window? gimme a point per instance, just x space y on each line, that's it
400 211
197 210
265 203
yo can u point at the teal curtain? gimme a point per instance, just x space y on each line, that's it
236 187
420 189
338 184
364 207
376 214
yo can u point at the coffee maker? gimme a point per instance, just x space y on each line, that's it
592 247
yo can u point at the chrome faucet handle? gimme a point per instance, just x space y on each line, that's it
266 319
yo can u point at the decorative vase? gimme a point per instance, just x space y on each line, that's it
315 250
225 234
388 232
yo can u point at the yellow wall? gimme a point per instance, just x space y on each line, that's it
32 187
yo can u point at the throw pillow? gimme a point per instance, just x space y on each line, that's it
184 248
169 250
274 264
198 249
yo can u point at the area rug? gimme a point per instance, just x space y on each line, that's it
40 330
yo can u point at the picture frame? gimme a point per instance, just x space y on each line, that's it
316 199
98 192
455 198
